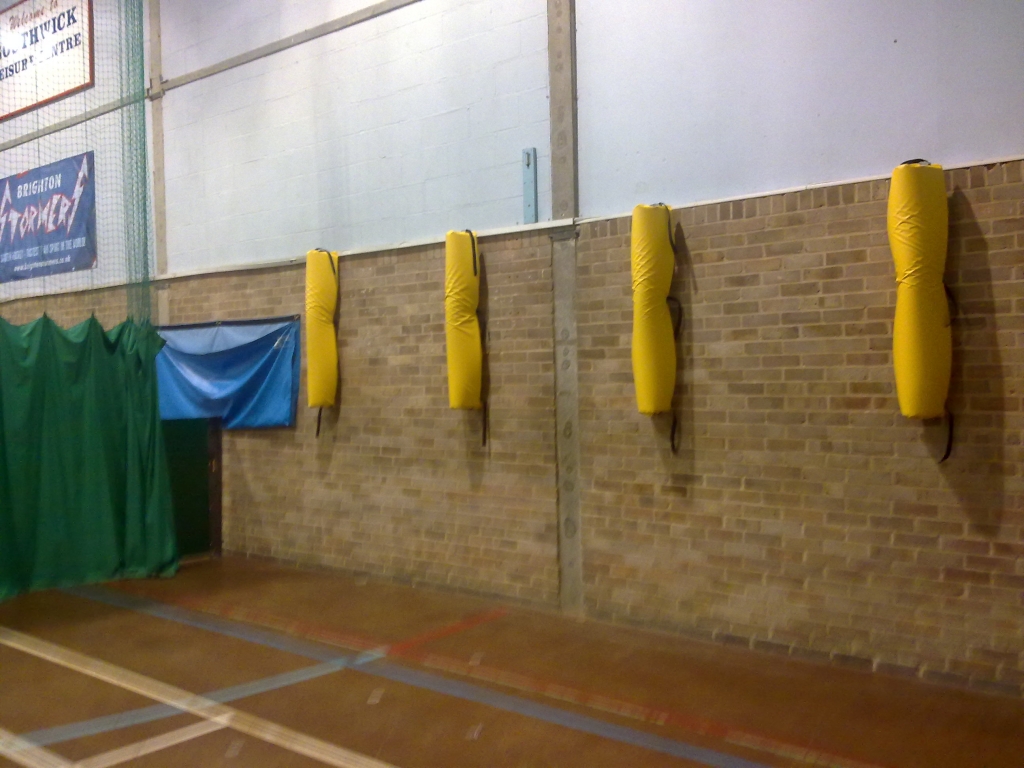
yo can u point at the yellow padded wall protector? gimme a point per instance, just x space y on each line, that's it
321 335
461 325
654 347
922 344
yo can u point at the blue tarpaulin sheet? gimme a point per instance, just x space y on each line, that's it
245 373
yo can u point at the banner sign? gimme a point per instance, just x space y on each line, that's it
48 220
45 53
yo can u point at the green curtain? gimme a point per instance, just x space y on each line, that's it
84 490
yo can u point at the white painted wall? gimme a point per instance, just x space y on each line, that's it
197 34
397 129
706 99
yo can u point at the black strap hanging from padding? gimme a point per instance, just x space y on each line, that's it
677 319
671 240
483 341
483 394
949 437
483 441
954 308
330 261
472 242
677 325
319 415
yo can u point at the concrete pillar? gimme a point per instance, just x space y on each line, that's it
565 205
562 79
567 422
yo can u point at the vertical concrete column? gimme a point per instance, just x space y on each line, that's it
562 86
567 412
156 93
565 205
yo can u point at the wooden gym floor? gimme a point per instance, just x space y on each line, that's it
246 664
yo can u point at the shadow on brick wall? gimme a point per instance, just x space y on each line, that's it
476 425
975 469
680 465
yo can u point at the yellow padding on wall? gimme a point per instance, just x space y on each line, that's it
922 344
321 335
654 347
461 326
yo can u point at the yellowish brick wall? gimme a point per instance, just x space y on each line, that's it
110 305
803 514
803 510
397 483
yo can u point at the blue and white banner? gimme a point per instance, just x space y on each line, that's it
48 220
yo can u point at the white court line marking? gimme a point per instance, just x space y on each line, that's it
257 727
155 744
27 754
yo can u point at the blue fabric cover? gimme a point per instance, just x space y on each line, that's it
247 374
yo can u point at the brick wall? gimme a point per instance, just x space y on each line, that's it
110 305
803 510
803 514
397 483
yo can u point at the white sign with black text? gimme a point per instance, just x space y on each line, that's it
45 53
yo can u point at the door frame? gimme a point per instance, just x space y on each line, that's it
214 444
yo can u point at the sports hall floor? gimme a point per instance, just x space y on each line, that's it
246 664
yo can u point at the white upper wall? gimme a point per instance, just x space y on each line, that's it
682 102
396 129
197 34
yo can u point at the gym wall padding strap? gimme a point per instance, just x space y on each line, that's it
654 346
321 334
461 324
922 344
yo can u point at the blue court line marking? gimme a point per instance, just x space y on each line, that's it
48 736
372 663
564 718
277 681
233 629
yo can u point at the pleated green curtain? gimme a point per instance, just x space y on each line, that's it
84 490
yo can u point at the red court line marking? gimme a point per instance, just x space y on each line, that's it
634 711
406 646
405 650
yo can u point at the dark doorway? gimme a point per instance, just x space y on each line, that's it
193 459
